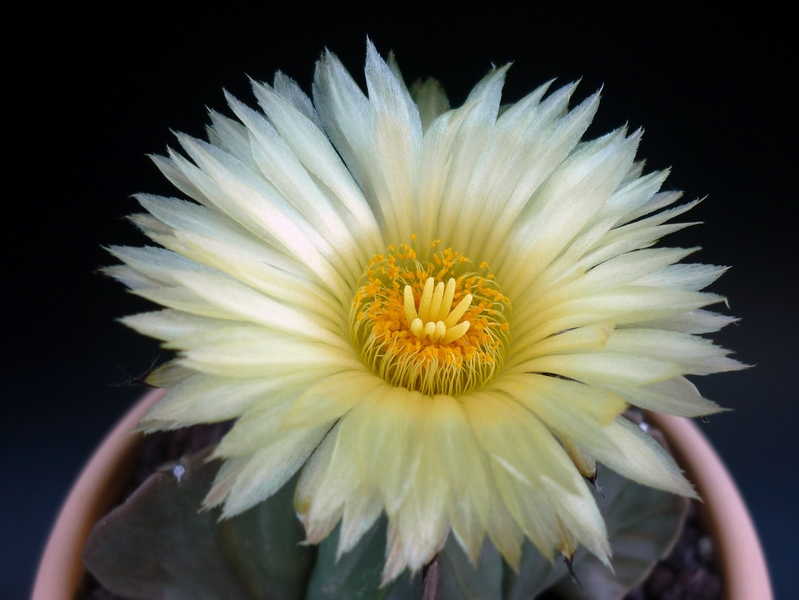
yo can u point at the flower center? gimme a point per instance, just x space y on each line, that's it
437 326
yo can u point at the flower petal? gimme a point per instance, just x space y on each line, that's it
697 356
270 467
676 396
605 367
450 443
346 115
209 399
241 195
562 404
277 163
314 150
396 135
245 303
472 137
573 194
250 352
546 141
533 476
635 455
419 529
325 484
331 397
390 440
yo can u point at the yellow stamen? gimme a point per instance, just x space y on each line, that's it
438 326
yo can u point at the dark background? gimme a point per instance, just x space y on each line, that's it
92 92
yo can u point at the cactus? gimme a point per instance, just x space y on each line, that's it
157 544
426 324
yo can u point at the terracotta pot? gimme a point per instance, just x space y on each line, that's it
61 575
737 552
736 547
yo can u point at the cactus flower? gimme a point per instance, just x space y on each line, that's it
437 314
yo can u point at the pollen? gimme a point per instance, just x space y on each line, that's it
434 324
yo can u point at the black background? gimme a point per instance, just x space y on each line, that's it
88 93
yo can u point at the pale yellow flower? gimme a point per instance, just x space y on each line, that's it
437 314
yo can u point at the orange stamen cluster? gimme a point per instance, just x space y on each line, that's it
438 326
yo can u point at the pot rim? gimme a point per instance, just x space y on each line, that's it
736 546
61 573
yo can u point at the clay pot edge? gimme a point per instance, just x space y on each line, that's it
61 573
738 554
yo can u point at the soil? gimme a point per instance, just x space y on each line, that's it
686 574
